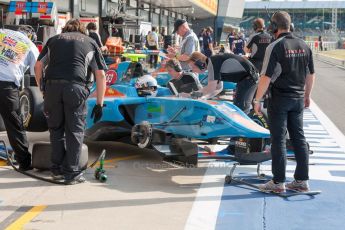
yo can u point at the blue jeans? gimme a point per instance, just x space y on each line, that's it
286 114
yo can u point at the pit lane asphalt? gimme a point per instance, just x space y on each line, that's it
329 92
142 192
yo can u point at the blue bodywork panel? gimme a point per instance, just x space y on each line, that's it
198 119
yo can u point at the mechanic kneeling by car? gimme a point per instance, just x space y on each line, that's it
181 82
68 56
227 67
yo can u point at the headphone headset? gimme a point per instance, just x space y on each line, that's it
198 63
255 26
273 24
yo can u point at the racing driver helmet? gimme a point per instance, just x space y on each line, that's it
146 86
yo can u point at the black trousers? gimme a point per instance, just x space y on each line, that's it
153 57
10 112
65 108
257 63
245 91
286 114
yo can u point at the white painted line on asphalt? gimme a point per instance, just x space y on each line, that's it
334 132
205 208
206 205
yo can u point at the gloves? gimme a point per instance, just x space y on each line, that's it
97 113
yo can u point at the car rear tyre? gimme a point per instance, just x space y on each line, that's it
31 106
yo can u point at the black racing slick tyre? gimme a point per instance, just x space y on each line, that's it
31 106
2 125
261 119
41 156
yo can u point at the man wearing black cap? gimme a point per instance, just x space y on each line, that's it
189 44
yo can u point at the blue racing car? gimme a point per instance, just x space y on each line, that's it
171 125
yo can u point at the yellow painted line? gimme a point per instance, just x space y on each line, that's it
26 218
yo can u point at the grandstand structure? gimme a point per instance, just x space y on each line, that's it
310 18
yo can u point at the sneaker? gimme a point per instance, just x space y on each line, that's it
75 180
299 186
270 186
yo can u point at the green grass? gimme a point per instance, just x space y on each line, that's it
338 54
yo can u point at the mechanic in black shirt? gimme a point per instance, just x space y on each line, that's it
288 69
181 82
92 30
68 57
227 67
258 43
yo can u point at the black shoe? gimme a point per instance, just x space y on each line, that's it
75 180
25 167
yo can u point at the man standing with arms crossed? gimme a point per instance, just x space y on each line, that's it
289 69
68 56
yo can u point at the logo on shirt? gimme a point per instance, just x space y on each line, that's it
295 53
12 49
8 53
265 40
9 41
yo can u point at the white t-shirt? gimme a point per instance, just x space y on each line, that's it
17 54
152 39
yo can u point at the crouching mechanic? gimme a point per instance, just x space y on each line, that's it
17 53
181 82
65 95
227 67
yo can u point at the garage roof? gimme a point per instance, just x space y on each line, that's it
184 7
294 5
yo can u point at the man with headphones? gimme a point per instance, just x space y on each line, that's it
288 73
181 82
227 67
258 43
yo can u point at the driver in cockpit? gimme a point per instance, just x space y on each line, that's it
145 84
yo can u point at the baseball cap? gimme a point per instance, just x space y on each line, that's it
178 23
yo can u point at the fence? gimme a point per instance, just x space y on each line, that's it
316 46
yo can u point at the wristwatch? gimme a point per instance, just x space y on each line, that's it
256 101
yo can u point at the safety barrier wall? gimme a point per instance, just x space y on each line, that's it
326 46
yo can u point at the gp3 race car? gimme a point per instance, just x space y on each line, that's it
171 125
